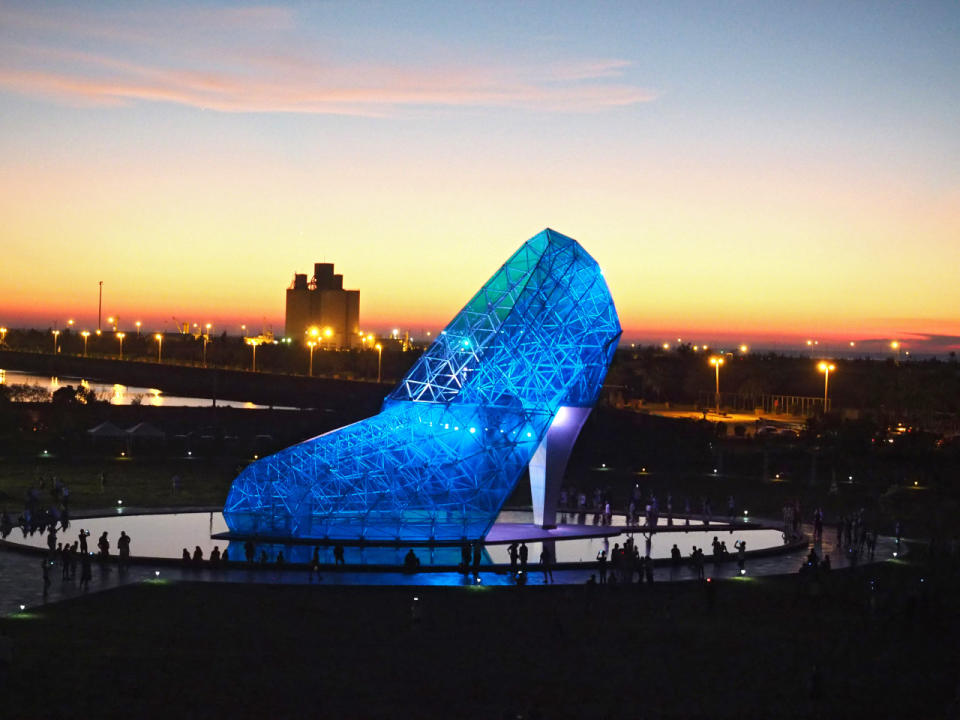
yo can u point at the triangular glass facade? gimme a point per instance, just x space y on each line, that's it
455 435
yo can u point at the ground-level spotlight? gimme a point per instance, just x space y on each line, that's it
156 573
22 607
894 553
743 571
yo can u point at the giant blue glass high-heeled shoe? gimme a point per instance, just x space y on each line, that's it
507 385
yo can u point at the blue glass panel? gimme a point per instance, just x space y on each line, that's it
454 437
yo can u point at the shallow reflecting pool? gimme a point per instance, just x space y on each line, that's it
166 536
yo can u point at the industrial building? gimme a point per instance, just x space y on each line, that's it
322 303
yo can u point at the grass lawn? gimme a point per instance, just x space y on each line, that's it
138 482
204 650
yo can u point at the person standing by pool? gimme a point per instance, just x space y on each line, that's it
741 546
545 563
123 546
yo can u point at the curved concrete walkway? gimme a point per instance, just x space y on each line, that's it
21 579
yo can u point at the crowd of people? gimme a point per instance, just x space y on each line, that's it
577 505
46 505
70 556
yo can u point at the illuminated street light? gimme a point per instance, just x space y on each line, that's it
206 339
895 345
85 334
69 323
55 334
253 342
138 324
826 368
120 337
717 361
311 344
379 361
159 338
3 335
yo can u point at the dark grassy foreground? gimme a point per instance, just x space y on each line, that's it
202 650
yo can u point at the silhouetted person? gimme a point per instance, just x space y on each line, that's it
477 556
602 566
83 541
215 556
249 551
524 554
104 546
197 556
411 563
185 558
546 564
338 555
123 547
85 571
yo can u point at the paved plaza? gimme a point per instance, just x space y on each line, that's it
21 577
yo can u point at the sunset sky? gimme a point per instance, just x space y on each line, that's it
763 171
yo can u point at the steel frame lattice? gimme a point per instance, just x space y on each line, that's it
454 437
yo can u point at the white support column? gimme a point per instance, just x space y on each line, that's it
550 461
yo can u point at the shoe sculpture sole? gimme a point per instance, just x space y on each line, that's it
527 353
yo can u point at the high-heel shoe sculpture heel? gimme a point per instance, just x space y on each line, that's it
508 384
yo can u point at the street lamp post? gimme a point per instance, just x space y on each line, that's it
159 338
3 335
311 344
895 345
85 334
826 368
138 324
205 339
379 361
55 334
120 337
717 361
253 346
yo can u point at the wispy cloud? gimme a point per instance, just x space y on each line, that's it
272 78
